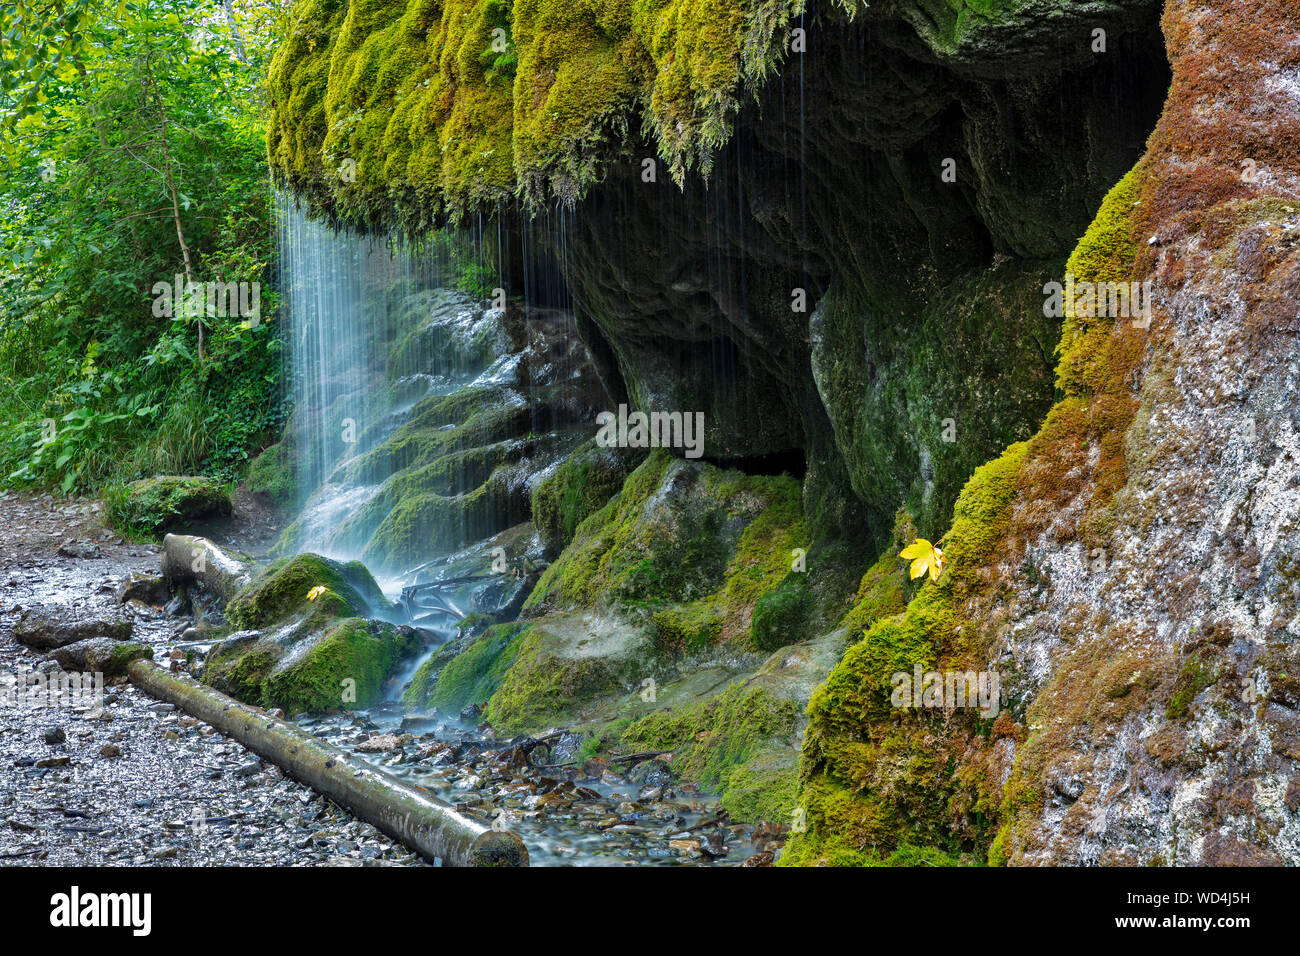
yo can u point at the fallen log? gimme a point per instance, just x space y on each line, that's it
191 558
432 828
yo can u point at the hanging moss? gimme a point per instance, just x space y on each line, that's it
419 105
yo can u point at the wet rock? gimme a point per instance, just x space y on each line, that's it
49 626
760 859
190 558
381 743
84 550
686 847
149 588
100 655
55 735
712 845
566 748
53 762
302 669
769 836
418 723
471 713
651 773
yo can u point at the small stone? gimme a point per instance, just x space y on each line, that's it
110 750
55 735
83 550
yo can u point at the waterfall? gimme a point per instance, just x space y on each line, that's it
379 328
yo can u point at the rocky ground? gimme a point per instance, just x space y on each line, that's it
136 782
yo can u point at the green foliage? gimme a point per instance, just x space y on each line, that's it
121 130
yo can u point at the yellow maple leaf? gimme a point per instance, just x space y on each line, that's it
320 589
924 557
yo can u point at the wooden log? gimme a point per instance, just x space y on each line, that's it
190 558
432 828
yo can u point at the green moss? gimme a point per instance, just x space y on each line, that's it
438 121
121 656
238 666
1196 675
724 743
543 688
688 627
781 616
470 676
271 473
152 506
870 783
581 485
695 544
925 384
281 593
345 668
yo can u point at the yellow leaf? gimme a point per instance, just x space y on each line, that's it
316 592
924 557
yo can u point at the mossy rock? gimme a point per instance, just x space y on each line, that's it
679 532
579 487
153 506
469 673
272 473
724 744
781 616
345 665
282 592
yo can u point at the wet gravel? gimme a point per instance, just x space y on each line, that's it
136 782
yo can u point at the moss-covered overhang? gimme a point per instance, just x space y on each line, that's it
408 112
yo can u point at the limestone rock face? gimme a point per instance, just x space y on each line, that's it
1130 571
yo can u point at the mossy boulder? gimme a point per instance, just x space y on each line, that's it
781 616
101 655
725 742
343 665
153 506
307 586
579 486
466 671
272 473
680 532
